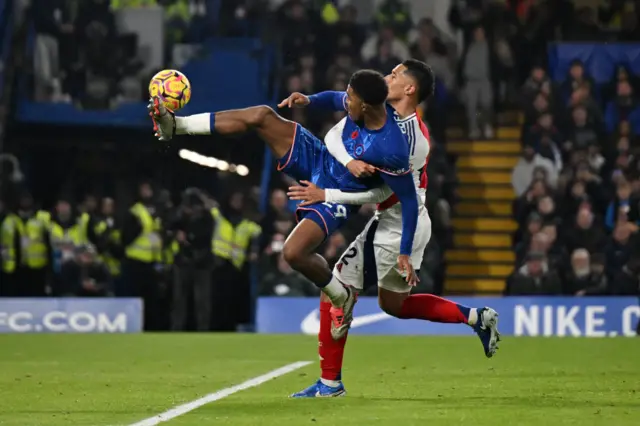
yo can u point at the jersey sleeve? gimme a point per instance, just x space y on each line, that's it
329 100
374 195
405 190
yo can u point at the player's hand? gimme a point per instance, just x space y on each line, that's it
307 192
360 169
295 100
406 270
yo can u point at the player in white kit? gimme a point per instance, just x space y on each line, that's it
372 257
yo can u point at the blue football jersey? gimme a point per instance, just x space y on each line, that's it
385 149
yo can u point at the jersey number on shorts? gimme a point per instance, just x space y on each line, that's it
350 254
341 211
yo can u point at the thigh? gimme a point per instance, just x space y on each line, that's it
304 156
328 216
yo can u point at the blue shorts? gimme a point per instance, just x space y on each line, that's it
329 216
304 161
304 157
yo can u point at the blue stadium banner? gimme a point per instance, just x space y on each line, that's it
70 315
519 316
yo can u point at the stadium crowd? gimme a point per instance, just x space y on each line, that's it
578 187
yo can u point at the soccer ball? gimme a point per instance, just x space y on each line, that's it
172 87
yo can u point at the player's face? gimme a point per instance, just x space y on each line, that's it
400 84
355 106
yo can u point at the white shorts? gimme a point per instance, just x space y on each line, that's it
372 257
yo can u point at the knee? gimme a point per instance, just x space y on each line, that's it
260 114
292 254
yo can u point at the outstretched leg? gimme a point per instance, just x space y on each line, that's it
276 131
428 307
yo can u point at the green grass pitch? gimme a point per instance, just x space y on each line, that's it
99 380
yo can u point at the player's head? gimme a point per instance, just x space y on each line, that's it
412 78
367 90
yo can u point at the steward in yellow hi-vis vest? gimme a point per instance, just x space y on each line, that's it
35 250
142 264
232 242
10 234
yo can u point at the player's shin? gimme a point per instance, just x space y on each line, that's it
330 351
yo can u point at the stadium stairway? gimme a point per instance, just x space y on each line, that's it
482 257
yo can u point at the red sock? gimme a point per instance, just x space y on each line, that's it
433 308
330 351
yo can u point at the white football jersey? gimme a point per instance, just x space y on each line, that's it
418 139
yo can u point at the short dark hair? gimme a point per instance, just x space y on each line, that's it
370 86
423 74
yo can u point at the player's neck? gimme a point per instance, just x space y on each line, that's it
375 118
404 107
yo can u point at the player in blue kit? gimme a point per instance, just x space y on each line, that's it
369 133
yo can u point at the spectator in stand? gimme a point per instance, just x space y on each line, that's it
534 278
582 280
575 78
522 175
343 66
85 275
424 49
618 250
585 234
54 44
300 29
537 84
546 139
466 16
523 235
627 280
384 62
623 107
399 48
622 74
476 75
619 206
347 33
528 202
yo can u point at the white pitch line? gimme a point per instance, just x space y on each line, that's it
223 393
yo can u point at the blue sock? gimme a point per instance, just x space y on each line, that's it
465 310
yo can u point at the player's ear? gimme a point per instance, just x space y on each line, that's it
409 90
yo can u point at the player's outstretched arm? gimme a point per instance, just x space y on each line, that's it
309 193
329 100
